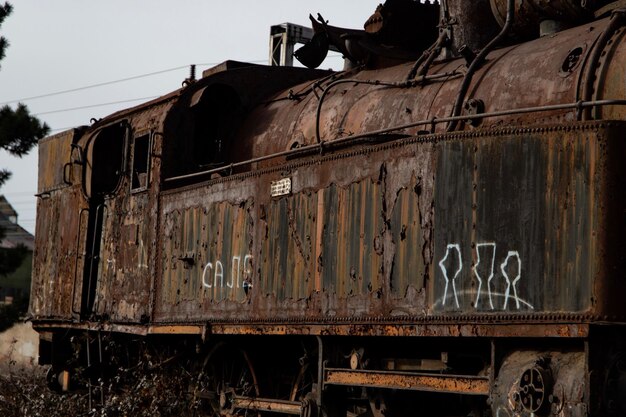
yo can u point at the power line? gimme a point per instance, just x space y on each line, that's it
109 83
96 105
16 193
113 102
58 129
135 77
94 85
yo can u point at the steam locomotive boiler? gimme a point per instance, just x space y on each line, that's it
438 229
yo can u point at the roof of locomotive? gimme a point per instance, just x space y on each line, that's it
226 71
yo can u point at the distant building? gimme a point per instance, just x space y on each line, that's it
17 284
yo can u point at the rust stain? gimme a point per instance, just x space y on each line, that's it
453 384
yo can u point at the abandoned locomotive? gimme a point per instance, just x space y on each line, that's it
438 227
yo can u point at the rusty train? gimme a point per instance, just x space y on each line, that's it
436 229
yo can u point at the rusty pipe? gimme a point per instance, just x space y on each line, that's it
441 41
427 57
477 62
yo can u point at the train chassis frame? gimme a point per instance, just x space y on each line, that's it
383 376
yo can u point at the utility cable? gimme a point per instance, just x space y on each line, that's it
94 85
95 105
135 77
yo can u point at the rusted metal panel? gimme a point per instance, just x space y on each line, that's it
64 326
513 329
375 242
545 329
352 241
207 255
452 384
267 404
55 152
57 255
290 251
517 222
173 329
409 268
338 250
58 249
124 276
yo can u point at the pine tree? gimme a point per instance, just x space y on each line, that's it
19 133
4 12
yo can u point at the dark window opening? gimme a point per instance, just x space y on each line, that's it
106 161
141 163
200 134
213 126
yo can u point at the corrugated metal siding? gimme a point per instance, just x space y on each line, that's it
352 241
519 212
329 241
408 237
207 254
378 243
288 260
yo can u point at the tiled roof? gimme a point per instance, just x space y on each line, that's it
14 234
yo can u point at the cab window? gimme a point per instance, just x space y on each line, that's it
140 173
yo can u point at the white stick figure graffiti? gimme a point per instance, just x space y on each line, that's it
510 269
492 247
510 255
457 247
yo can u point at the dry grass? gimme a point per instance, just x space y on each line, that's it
129 393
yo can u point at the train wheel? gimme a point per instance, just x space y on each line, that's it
226 373
303 383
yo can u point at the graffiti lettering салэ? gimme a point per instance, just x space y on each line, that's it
510 268
213 274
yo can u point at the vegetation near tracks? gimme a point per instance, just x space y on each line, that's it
136 392
24 393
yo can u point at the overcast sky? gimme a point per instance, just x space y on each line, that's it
66 44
